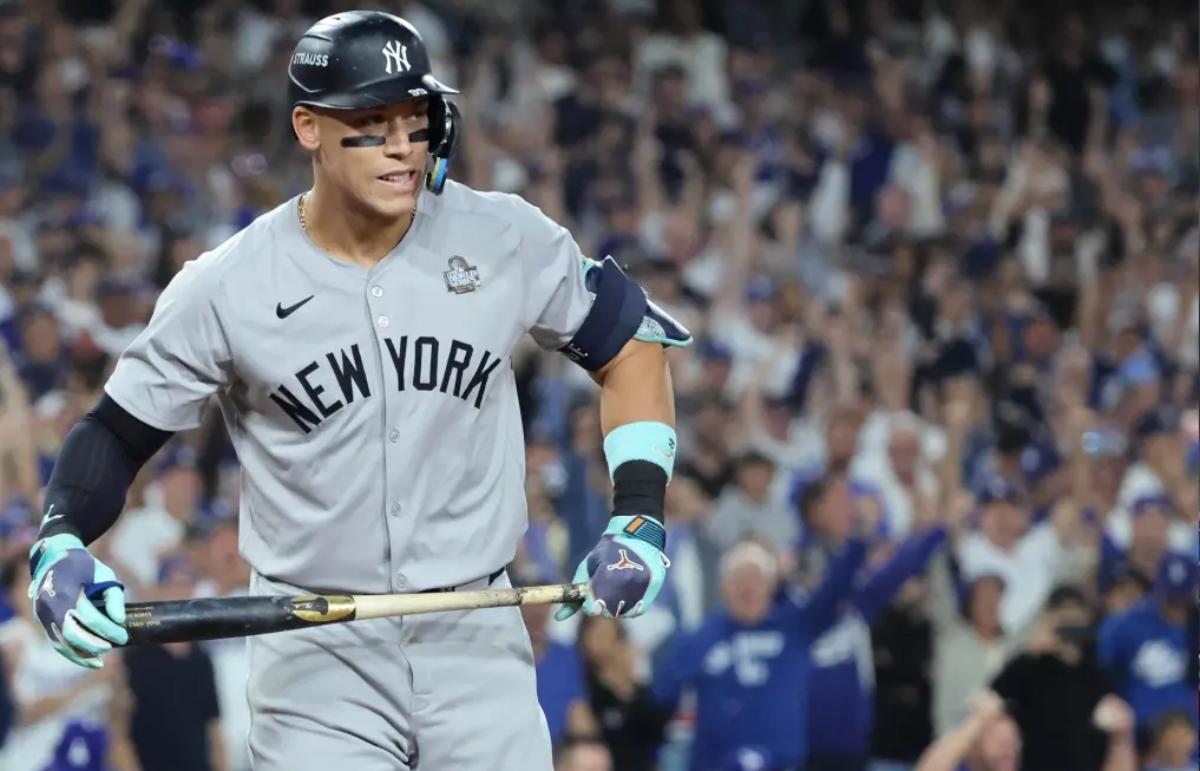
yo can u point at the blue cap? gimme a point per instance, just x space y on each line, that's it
1144 503
997 489
1039 461
1176 576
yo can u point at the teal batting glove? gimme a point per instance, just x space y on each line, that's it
625 571
66 580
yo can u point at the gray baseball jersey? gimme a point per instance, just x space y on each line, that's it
374 412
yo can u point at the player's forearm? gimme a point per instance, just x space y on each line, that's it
637 414
636 386
97 462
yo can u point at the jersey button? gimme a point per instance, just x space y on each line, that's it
401 581
393 436
377 291
396 506
384 321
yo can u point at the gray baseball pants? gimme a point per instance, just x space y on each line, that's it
431 692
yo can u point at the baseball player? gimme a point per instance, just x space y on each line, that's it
358 340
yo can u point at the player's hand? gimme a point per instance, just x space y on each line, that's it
66 578
626 571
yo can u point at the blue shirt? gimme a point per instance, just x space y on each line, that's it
841 702
751 682
1148 659
559 682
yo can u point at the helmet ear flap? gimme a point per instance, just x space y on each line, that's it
444 120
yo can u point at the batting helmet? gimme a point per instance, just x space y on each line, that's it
363 59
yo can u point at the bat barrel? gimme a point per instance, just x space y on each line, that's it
216 618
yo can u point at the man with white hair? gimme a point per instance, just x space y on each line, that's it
748 663
896 454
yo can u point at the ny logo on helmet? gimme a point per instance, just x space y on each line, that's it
396 54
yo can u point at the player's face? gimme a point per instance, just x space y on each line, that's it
384 178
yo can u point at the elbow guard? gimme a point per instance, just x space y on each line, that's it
620 312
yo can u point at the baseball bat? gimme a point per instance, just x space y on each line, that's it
222 617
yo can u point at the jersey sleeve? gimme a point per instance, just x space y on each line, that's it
166 375
557 300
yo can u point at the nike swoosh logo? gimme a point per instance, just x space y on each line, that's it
283 312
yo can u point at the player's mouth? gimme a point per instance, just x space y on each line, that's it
400 181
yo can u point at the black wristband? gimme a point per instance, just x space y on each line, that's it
639 487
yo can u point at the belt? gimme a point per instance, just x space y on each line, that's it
491 579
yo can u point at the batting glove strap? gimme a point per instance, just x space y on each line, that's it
643 528
46 551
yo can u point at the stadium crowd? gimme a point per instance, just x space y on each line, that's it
936 503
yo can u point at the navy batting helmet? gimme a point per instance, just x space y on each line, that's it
363 59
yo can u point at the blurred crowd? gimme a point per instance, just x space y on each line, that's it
936 499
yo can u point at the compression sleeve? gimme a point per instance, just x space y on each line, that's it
99 458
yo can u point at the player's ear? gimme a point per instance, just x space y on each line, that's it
304 123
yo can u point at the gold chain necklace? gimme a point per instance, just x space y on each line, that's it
412 215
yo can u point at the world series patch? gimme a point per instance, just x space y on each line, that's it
461 278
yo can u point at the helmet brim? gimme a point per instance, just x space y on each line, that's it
380 93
